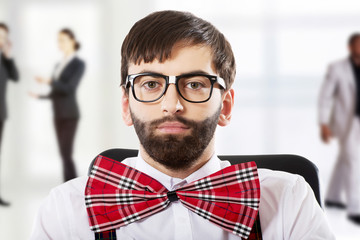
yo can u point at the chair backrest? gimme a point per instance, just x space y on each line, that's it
285 162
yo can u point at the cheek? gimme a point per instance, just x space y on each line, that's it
193 111
200 111
197 111
144 111
216 100
68 44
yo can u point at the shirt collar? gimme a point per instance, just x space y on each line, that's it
213 165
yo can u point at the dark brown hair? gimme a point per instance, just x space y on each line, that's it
4 26
71 35
353 37
154 37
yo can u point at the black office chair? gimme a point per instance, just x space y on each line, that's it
288 163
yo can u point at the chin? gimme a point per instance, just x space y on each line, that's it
172 134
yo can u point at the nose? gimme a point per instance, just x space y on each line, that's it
171 101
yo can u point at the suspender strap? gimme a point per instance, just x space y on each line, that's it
255 233
106 235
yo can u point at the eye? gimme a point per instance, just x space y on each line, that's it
194 85
151 84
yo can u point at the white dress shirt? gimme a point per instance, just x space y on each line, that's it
288 210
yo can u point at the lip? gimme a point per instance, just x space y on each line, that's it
172 127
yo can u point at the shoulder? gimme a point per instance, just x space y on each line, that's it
277 183
63 212
271 176
278 189
6 60
280 185
288 208
77 62
339 63
68 191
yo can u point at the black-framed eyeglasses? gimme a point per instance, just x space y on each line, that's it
194 88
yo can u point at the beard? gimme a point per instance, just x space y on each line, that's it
176 152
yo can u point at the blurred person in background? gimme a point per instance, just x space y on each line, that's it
64 82
8 71
339 116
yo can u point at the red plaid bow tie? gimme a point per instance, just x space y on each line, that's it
117 195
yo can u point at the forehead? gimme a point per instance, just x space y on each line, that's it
3 32
63 35
183 59
356 40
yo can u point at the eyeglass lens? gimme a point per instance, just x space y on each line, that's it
192 88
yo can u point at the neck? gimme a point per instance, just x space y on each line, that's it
181 173
68 53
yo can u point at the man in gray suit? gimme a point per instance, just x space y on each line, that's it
8 71
339 116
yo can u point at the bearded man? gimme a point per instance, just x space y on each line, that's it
176 74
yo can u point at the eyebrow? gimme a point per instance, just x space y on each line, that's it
183 73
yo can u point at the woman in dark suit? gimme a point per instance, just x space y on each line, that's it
8 71
64 83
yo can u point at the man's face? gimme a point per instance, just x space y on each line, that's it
3 37
172 131
355 48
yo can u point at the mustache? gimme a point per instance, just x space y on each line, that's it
186 122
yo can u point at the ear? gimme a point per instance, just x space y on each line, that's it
125 108
226 108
